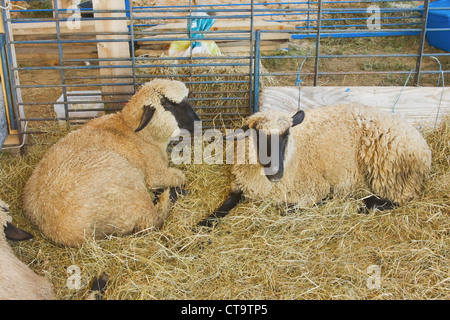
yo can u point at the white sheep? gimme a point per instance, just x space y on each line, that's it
95 182
17 281
332 150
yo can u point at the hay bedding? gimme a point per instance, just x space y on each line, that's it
260 251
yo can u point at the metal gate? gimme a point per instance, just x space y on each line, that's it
69 63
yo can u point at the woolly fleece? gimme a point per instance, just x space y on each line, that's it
340 150
95 181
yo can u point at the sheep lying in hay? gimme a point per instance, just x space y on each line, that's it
95 181
334 150
17 281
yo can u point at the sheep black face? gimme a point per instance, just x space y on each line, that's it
183 112
272 149
271 145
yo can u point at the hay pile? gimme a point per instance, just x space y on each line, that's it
260 251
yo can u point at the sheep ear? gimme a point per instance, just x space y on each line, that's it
239 134
298 118
146 117
15 234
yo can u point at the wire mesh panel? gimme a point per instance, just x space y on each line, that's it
70 61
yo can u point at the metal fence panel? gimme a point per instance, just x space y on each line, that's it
89 61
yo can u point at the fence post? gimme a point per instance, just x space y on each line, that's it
11 83
319 25
422 42
114 50
252 57
63 4
257 70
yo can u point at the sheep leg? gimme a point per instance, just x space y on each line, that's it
168 178
175 192
376 203
233 199
157 213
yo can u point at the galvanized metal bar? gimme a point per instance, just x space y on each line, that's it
257 70
6 82
319 22
60 57
251 68
421 42
15 92
132 44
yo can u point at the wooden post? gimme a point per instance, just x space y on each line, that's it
65 4
114 50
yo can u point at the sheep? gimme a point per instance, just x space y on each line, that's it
331 150
95 181
17 281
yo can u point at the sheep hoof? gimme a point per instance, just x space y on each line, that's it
15 234
208 222
98 287
175 192
376 203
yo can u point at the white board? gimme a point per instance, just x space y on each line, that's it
418 105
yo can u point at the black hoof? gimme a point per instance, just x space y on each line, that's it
156 194
208 223
176 192
376 203
99 286
15 234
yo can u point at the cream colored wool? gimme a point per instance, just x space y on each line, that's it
95 181
340 150
17 281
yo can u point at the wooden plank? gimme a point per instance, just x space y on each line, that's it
113 50
11 140
418 105
264 36
47 28
246 48
223 25
227 49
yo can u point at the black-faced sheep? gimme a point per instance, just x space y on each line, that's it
17 281
333 150
96 180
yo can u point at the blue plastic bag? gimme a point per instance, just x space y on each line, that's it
200 24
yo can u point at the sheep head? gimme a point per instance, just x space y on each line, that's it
159 108
271 135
